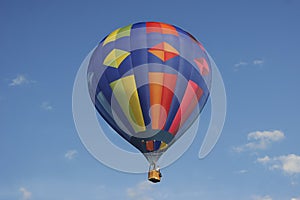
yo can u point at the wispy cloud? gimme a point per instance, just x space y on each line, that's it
141 191
294 183
240 64
289 164
255 62
242 171
71 154
260 140
20 79
264 160
26 195
258 62
267 197
46 106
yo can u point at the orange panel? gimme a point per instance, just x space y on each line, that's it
159 53
168 29
155 86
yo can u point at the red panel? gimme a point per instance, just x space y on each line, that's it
189 101
169 55
176 123
153 24
149 145
160 28
167 93
153 27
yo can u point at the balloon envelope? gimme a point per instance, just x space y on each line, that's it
149 81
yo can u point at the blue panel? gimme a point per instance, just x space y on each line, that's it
156 145
103 39
106 116
138 25
106 90
154 59
145 103
198 79
172 112
179 30
112 74
139 57
103 87
125 66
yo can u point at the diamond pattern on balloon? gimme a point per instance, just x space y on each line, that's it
164 51
115 58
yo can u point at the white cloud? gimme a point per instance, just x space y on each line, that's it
243 171
258 62
266 135
240 64
141 191
267 197
260 140
26 195
295 198
46 106
289 164
19 80
71 154
264 160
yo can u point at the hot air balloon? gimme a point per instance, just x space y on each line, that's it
149 81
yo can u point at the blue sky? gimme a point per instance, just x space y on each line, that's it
256 47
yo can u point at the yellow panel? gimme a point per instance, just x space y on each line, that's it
120 59
119 33
125 31
111 37
115 58
163 145
132 94
126 94
121 97
110 58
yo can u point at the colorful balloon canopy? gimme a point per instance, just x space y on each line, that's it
149 81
